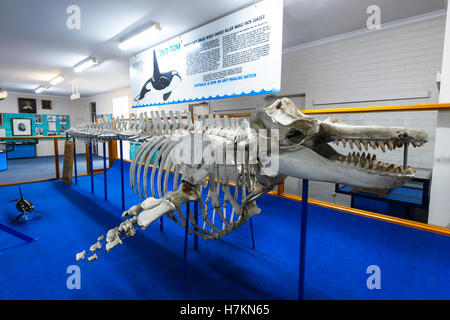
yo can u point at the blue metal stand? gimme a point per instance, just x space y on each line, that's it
304 218
16 234
75 160
186 228
196 222
92 167
121 175
161 224
104 171
253 236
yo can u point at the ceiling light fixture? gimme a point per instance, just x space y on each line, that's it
142 35
3 94
86 63
56 80
40 89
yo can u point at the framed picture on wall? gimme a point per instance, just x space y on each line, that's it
21 127
46 104
27 105
38 119
1 119
62 119
51 117
62 128
39 131
52 126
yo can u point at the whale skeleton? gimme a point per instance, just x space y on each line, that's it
288 143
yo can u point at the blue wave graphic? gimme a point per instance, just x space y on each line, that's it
234 95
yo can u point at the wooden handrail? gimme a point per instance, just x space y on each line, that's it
395 108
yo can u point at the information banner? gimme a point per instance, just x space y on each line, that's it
237 55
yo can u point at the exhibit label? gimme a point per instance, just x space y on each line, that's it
237 55
68 162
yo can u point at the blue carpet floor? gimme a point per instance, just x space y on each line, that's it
42 168
414 264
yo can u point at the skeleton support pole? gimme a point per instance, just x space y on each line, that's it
104 171
196 221
252 234
92 167
121 175
304 217
75 160
186 228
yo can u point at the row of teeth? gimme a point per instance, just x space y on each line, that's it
369 162
389 144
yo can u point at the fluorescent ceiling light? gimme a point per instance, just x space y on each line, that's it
40 89
57 80
142 36
3 94
86 63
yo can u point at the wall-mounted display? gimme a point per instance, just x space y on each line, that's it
51 117
27 105
21 127
228 57
62 119
38 119
52 126
39 131
46 104
62 128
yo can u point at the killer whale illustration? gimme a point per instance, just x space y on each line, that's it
159 81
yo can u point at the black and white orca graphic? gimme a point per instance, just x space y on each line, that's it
162 82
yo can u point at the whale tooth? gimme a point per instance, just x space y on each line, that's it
344 142
382 146
366 145
373 145
358 144
350 142
390 145
336 141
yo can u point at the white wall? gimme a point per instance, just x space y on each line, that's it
439 213
76 109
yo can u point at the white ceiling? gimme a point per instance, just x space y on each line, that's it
36 45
